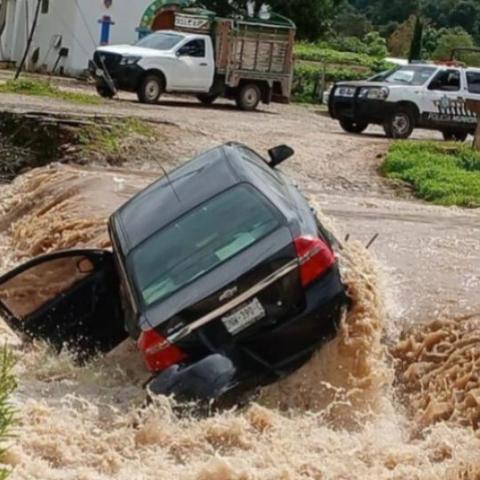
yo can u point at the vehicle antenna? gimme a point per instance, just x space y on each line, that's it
372 241
170 183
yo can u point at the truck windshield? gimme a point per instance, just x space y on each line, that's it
411 75
200 241
159 41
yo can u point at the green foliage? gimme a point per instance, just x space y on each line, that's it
7 413
321 53
349 22
106 138
416 46
312 17
451 39
315 60
42 88
442 173
400 40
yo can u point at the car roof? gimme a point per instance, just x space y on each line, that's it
182 190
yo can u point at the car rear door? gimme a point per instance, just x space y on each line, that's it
69 299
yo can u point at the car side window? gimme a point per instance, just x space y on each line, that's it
473 82
446 81
194 48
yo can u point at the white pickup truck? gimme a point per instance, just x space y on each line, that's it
245 60
413 96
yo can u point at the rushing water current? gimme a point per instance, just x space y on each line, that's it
372 404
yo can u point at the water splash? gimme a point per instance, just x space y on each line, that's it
347 414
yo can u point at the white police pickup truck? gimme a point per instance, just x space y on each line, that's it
413 96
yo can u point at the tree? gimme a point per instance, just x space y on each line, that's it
416 46
400 40
349 22
313 17
453 38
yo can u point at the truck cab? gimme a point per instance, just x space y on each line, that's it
166 61
414 96
249 61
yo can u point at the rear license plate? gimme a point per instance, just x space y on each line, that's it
243 318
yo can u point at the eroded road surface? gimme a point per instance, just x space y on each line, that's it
88 423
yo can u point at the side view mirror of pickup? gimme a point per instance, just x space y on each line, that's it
279 154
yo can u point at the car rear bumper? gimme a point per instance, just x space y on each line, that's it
266 357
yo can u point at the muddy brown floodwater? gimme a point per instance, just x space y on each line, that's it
395 396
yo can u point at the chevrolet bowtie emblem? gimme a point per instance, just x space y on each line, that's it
228 294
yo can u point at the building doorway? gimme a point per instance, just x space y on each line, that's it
164 20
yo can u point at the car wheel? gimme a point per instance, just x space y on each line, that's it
248 97
353 127
150 89
400 124
206 99
105 91
450 136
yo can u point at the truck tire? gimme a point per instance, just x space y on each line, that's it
400 124
248 97
150 89
206 99
450 136
353 127
105 91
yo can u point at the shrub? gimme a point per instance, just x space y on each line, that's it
442 173
7 386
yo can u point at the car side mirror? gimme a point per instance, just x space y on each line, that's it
279 154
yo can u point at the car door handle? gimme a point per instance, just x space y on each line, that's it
204 64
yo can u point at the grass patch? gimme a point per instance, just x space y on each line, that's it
107 137
42 88
441 173
7 385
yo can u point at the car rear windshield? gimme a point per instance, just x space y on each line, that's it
159 41
411 75
200 241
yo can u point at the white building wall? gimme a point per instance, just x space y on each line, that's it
125 15
77 22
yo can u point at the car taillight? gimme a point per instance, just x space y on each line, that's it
157 352
315 258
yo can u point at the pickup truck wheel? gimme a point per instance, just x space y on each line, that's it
400 124
450 136
206 99
353 127
248 97
150 89
105 91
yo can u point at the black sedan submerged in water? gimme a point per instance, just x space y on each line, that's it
220 271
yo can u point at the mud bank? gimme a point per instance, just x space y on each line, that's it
359 409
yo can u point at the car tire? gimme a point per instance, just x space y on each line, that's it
450 136
353 127
400 124
105 91
206 99
248 97
150 89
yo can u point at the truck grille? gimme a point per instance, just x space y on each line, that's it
108 60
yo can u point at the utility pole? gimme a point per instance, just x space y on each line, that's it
29 40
